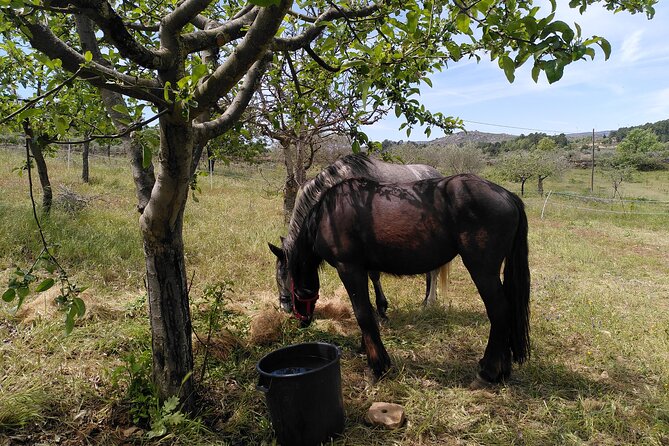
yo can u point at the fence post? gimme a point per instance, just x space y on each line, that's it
545 201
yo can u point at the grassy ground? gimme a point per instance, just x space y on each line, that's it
599 371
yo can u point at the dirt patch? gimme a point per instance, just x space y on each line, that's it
44 307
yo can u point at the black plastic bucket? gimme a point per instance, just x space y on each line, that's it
302 386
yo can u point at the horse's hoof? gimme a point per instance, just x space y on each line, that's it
480 383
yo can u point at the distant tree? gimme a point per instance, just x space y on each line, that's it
518 166
547 164
637 148
546 144
462 159
617 174
561 140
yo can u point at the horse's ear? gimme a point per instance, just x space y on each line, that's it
277 251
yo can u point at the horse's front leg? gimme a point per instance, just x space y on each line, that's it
381 301
355 281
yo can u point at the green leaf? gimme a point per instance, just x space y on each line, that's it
265 3
29 113
536 69
606 47
9 295
166 91
146 156
80 306
355 147
61 124
198 72
412 22
45 285
22 291
462 23
88 56
509 67
121 108
554 70
69 320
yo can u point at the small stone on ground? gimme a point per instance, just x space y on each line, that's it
390 415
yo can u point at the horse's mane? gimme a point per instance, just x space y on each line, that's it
350 166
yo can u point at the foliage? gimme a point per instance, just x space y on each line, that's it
546 145
639 149
660 128
450 159
237 145
517 166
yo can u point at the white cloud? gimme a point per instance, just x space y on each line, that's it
630 51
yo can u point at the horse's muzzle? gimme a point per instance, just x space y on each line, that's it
286 303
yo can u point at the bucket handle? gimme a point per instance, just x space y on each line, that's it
264 384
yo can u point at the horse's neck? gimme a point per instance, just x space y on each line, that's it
311 193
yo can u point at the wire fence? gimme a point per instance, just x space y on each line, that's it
268 176
601 205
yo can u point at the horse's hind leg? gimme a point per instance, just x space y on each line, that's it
495 365
381 301
355 282
431 287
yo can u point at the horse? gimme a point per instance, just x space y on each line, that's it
361 225
347 167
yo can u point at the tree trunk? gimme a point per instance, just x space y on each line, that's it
84 161
540 185
522 187
37 146
162 225
291 186
144 177
300 171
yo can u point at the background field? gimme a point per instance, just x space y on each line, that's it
599 371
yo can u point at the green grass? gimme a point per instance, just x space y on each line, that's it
598 374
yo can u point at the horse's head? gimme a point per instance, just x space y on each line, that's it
297 295
282 281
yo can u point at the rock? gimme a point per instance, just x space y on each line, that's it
390 415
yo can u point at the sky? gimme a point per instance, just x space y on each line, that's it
630 88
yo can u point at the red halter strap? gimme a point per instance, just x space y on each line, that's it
310 301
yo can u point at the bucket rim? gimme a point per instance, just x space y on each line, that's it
292 346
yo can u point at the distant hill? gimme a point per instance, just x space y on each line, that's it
598 134
473 136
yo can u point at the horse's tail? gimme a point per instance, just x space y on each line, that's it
517 288
444 274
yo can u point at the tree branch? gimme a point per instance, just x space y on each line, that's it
251 48
44 40
34 101
296 42
214 34
116 31
127 131
222 124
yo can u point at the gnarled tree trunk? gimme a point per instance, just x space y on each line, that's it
161 225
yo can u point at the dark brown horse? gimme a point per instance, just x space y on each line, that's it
360 226
351 166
